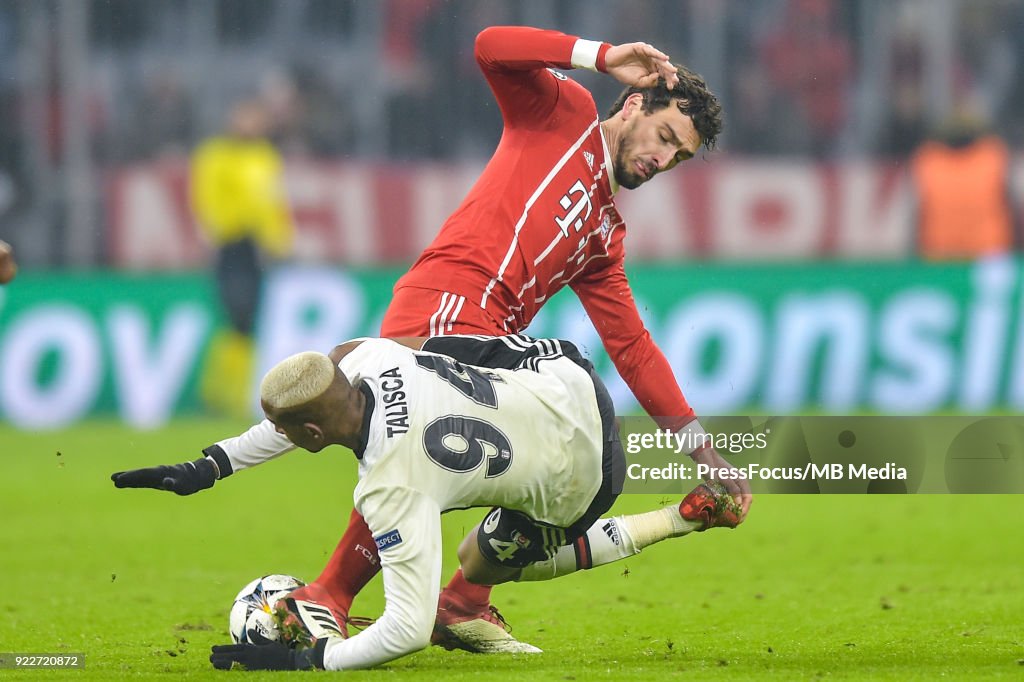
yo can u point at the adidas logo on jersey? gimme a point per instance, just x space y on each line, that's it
589 159
612 531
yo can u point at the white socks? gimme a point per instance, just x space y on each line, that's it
651 527
609 540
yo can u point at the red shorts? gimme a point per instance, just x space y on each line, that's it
426 312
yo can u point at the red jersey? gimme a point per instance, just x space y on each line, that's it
541 216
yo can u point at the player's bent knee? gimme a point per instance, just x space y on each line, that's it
412 637
467 548
507 541
476 574
478 569
481 572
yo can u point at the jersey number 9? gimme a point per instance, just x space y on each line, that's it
461 444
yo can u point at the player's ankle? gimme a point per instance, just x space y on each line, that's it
341 600
470 594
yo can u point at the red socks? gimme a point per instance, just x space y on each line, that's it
353 564
473 595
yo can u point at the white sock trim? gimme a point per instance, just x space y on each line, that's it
695 437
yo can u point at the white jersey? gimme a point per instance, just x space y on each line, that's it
527 439
523 432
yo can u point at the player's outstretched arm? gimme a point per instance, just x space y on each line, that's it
183 479
275 656
640 65
608 300
261 443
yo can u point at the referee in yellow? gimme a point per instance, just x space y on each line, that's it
238 197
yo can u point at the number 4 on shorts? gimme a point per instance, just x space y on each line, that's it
503 550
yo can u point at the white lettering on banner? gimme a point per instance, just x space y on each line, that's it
902 347
67 337
915 345
434 196
334 210
310 193
985 332
735 324
791 192
836 323
306 309
354 204
149 377
658 220
876 212
739 209
152 227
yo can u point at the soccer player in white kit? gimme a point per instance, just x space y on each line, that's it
521 425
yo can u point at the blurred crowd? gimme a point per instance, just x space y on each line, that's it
140 80
799 77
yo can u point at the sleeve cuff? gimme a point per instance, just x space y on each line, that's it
217 454
696 436
589 54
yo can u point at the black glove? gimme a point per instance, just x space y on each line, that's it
274 656
184 479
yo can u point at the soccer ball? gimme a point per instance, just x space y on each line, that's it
251 620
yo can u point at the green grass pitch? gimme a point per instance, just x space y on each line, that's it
845 587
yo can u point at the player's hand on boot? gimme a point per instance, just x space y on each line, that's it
275 656
640 65
184 479
315 595
738 487
302 621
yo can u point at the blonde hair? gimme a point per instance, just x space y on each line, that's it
296 380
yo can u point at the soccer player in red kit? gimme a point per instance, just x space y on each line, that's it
541 217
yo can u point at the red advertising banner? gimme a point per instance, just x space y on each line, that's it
374 213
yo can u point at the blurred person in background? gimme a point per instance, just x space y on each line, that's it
8 266
962 182
1010 111
432 79
308 116
414 77
766 126
987 64
809 59
239 201
13 185
903 124
161 123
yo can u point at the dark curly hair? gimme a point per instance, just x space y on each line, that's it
691 95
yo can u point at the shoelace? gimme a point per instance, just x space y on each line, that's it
359 622
497 618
